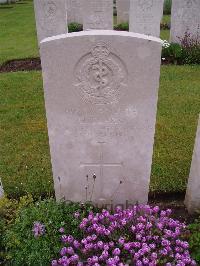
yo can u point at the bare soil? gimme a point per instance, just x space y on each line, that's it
27 64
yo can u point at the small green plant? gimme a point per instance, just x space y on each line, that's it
75 27
191 49
172 53
9 209
194 240
22 239
164 26
122 26
185 53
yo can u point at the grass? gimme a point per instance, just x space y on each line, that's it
17 31
25 160
164 34
166 19
178 109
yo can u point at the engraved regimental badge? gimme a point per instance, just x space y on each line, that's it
145 5
101 76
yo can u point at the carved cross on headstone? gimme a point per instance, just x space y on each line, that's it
101 164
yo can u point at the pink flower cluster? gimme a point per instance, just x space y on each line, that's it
141 235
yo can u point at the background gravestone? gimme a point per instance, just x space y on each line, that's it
145 16
97 14
51 18
185 19
101 113
1 189
74 11
192 199
123 7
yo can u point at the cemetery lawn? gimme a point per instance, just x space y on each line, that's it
25 160
17 31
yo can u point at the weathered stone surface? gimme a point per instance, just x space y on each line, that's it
145 16
101 95
185 19
97 14
1 189
123 7
51 18
74 11
192 199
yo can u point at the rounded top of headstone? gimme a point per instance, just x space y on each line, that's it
102 33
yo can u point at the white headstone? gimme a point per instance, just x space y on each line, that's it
1 189
145 16
101 92
123 7
51 18
185 19
97 14
192 199
74 11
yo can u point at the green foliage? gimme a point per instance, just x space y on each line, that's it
164 26
75 27
173 53
187 54
9 209
194 240
190 50
25 249
167 7
122 26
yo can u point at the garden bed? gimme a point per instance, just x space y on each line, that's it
59 231
15 65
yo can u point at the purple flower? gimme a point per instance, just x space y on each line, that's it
151 237
100 244
105 254
156 209
139 263
145 261
62 230
154 256
127 246
54 263
116 252
74 258
38 229
70 250
76 244
106 247
70 239
63 251
121 240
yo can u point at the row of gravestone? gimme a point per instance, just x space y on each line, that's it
185 18
145 16
101 90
